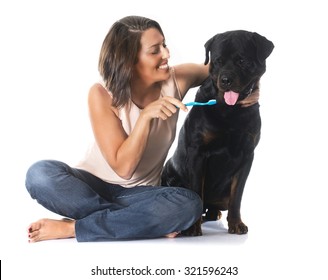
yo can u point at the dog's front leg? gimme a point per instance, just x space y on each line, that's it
195 167
235 223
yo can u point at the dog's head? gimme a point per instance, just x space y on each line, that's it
237 62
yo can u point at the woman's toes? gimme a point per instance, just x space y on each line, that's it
172 235
46 229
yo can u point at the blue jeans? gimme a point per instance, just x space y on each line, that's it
105 211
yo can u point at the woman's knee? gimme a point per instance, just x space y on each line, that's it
189 204
194 204
40 174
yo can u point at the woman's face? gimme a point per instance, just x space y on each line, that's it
152 65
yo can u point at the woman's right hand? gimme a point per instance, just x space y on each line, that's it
163 108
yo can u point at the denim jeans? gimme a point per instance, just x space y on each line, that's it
105 211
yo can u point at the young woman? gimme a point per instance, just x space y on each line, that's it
114 192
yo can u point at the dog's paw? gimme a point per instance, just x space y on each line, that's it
194 230
238 228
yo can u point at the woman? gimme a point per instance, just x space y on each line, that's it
114 192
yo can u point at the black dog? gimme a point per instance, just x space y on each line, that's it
216 143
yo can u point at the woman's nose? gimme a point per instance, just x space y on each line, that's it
165 53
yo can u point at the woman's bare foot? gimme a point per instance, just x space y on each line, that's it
172 235
46 229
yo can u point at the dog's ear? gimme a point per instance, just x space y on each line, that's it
207 49
264 46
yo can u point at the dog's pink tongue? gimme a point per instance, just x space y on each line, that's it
231 97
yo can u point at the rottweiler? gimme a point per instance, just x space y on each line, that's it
216 143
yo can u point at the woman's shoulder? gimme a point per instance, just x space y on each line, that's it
98 90
98 87
100 97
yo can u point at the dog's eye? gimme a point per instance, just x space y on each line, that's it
219 60
243 63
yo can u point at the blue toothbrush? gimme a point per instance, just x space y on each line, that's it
210 102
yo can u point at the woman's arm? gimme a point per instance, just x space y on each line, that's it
121 151
190 75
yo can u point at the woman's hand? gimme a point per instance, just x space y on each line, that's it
163 108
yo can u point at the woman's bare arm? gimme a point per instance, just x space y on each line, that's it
190 75
121 151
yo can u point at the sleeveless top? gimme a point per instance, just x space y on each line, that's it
161 137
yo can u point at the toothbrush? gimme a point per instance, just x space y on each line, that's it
210 102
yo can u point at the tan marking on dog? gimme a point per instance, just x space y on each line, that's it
255 137
208 137
234 183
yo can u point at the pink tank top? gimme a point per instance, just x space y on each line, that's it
161 137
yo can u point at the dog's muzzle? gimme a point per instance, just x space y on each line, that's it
226 81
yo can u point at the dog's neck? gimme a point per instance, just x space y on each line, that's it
254 86
250 91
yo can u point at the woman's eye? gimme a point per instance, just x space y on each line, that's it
155 50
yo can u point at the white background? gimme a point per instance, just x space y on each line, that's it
48 61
